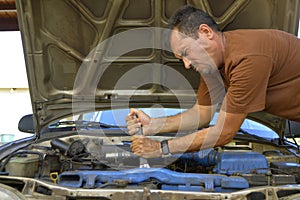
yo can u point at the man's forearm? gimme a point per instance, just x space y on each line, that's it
191 119
198 140
188 143
225 129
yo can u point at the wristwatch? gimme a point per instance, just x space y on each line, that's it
165 148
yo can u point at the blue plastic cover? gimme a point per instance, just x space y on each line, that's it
169 180
241 163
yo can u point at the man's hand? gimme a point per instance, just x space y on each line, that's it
137 118
145 147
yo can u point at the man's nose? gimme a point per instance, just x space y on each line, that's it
187 63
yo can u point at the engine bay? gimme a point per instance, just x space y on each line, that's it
107 162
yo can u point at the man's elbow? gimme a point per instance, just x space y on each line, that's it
228 125
204 124
226 137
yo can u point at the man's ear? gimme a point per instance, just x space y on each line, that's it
205 31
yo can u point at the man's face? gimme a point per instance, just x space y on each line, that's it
193 52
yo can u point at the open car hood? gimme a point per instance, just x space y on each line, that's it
82 54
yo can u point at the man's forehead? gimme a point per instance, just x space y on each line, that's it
175 42
179 40
177 35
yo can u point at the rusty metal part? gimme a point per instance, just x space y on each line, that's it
7 5
8 16
8 20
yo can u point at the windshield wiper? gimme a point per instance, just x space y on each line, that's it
84 124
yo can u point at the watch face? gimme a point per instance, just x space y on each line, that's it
165 147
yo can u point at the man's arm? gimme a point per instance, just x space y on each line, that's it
222 133
196 117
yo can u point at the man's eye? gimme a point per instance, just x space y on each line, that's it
185 52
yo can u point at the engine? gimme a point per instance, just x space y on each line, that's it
95 163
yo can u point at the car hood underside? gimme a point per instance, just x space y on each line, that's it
79 54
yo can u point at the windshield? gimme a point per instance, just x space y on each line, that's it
116 118
253 128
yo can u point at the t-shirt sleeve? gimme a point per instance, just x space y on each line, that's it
248 85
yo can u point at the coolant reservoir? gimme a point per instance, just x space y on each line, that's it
24 166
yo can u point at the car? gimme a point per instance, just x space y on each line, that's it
88 62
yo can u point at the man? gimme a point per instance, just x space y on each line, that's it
260 70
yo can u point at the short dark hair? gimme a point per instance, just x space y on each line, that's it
188 19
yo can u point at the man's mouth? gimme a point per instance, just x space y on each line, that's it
202 68
193 67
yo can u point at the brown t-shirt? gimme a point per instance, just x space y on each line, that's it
261 72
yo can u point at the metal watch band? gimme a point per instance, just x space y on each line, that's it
165 147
